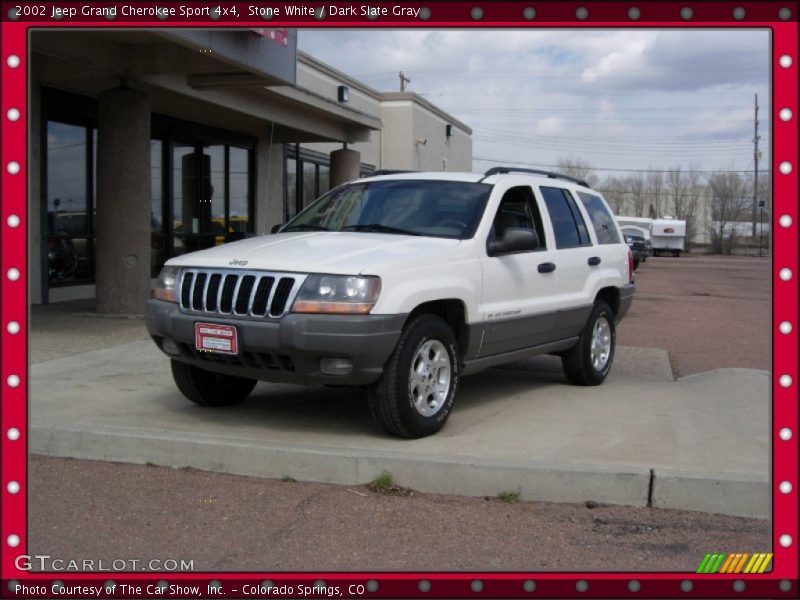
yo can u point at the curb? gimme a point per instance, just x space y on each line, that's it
739 495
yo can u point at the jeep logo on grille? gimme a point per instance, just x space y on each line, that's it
237 263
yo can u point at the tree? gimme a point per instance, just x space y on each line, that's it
614 191
684 190
728 204
655 188
636 188
578 168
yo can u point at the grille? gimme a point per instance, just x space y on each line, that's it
238 293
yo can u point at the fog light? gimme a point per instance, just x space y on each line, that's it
336 366
169 347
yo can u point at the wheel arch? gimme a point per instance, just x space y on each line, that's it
609 295
453 312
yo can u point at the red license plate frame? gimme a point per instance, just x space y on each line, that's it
216 338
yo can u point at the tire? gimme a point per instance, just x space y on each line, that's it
580 365
210 389
416 392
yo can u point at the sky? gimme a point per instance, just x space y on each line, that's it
621 100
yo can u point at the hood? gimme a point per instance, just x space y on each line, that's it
345 253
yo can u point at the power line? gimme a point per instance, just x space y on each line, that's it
604 139
617 169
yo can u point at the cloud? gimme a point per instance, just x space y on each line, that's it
624 98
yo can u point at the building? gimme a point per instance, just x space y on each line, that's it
146 144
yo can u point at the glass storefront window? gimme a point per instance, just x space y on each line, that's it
200 188
211 195
324 180
68 231
157 238
184 196
239 205
291 188
212 200
309 183
315 181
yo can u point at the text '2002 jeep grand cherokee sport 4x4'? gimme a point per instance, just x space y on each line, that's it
402 283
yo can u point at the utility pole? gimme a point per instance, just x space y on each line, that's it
755 166
403 81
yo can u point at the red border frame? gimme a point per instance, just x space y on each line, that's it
13 241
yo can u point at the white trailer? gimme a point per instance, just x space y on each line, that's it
642 223
668 236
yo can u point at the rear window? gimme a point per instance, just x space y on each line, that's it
603 222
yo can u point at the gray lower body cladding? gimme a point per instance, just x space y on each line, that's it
626 293
287 350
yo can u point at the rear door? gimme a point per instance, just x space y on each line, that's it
609 244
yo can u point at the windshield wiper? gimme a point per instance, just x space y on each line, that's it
378 228
305 226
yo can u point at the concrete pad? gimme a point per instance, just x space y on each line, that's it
513 429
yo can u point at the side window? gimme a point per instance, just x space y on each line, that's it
518 209
604 227
567 221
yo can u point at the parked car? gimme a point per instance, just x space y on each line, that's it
402 284
638 247
638 231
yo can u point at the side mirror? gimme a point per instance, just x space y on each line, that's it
515 239
275 228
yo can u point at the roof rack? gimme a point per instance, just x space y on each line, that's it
550 174
387 172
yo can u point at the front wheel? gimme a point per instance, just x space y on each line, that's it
210 389
416 392
589 361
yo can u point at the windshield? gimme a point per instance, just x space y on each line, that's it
450 209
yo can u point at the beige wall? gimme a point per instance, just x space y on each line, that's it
415 139
405 118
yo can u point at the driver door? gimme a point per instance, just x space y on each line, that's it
519 299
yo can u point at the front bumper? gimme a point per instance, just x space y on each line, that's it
288 349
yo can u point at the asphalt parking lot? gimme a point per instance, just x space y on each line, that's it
698 309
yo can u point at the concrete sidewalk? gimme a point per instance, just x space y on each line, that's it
699 443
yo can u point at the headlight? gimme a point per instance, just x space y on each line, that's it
167 285
337 294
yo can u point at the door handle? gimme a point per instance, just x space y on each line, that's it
546 268
594 261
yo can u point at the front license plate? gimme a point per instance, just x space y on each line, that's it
210 337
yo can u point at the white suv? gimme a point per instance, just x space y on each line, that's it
402 283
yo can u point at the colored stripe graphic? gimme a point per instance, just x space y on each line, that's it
753 561
740 565
728 562
718 563
700 569
767 560
735 562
